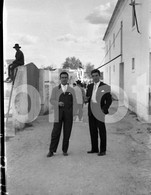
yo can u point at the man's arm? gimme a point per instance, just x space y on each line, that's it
83 95
107 99
74 102
53 99
87 97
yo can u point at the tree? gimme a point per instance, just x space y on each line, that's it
72 62
88 68
49 68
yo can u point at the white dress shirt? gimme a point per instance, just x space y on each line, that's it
64 88
95 88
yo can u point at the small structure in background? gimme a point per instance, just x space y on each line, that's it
80 74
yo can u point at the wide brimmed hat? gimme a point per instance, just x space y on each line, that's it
16 46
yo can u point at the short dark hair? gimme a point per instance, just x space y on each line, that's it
95 71
78 82
64 73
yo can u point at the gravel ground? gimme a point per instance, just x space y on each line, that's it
125 170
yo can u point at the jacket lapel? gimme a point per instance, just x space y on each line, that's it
91 89
59 87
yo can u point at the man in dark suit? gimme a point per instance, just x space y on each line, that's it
19 61
99 100
64 101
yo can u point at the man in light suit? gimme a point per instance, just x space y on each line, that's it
64 101
99 100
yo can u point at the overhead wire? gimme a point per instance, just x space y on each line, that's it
109 50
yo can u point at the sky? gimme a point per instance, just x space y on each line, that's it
49 31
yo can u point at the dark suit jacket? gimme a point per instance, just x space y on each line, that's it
103 97
19 58
68 98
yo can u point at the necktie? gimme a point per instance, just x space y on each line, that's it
94 93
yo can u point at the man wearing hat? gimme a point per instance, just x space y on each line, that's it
19 61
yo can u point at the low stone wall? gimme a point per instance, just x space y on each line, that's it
25 97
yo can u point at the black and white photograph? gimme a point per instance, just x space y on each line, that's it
76 97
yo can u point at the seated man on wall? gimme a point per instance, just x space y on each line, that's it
19 61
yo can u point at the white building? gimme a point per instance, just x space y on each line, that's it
128 54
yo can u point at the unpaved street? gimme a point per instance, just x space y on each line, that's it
125 170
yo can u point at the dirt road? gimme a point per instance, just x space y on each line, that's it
125 170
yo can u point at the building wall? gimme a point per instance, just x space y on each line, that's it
135 49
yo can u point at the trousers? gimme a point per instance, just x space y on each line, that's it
97 127
66 121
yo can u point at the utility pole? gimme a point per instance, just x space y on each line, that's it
121 41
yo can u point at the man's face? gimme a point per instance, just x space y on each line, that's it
17 49
64 79
95 77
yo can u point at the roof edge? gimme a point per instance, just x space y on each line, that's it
113 17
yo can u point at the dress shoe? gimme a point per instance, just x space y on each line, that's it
65 153
101 153
91 151
8 81
50 154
